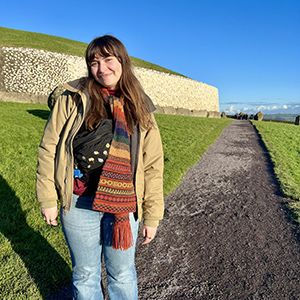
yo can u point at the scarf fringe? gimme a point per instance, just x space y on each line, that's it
122 235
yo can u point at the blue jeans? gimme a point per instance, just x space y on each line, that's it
89 234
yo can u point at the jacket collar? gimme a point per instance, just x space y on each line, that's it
75 87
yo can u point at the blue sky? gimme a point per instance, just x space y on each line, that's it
248 49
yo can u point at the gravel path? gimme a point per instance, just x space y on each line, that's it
226 232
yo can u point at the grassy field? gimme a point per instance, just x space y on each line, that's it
34 258
283 144
281 117
18 38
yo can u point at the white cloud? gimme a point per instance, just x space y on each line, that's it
231 109
264 108
260 108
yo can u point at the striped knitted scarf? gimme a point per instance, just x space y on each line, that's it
115 193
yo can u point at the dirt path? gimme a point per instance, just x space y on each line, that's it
226 233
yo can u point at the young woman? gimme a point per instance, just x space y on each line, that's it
101 157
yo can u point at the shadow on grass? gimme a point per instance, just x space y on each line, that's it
45 266
41 113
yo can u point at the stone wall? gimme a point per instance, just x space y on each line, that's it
29 75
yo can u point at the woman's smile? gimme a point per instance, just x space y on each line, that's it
106 70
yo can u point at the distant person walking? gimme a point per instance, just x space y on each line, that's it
101 156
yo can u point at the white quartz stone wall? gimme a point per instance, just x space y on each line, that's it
177 91
38 72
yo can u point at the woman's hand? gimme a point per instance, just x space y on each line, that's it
148 234
50 215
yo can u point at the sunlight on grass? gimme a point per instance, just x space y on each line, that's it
283 144
34 258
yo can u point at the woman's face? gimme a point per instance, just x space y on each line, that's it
106 70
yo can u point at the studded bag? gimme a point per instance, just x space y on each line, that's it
91 147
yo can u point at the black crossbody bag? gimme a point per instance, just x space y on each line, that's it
91 147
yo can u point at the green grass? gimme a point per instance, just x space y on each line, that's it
185 140
17 38
281 117
283 144
34 259
33 256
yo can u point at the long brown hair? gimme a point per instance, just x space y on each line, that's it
136 108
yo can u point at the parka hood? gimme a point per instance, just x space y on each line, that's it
74 86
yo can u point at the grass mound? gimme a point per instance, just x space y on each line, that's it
25 39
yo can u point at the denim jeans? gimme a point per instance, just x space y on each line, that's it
89 234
